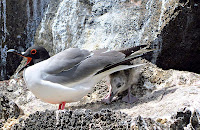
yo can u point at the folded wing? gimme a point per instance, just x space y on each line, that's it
79 64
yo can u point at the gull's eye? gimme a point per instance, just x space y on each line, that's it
33 51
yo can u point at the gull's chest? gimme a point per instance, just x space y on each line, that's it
33 75
52 92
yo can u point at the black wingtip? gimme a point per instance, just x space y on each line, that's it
130 50
127 60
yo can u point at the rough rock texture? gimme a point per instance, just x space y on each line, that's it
109 24
8 109
77 119
186 118
106 119
180 46
17 30
171 26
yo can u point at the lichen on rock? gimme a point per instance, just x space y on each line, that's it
8 109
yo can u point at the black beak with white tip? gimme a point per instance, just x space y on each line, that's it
12 50
20 54
15 52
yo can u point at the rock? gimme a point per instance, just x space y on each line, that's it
18 31
96 24
105 119
8 109
186 118
141 123
76 119
172 27
179 40
99 26
9 88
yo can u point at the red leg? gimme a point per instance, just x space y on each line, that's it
62 106
59 106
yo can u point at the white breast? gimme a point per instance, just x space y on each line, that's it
55 93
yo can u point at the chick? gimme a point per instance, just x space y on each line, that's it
121 81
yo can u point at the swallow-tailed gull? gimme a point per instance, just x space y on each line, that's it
71 74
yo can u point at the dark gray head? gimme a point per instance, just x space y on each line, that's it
33 54
36 53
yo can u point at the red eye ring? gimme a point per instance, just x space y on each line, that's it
33 51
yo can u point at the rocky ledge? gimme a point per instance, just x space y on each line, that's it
167 99
105 119
8 109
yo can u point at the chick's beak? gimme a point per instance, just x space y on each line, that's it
112 95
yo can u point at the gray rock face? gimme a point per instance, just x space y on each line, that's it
186 118
19 21
8 109
105 119
180 46
183 119
96 24
172 27
77 119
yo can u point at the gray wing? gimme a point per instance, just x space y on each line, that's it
66 60
87 67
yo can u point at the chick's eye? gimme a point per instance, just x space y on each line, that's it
33 51
118 85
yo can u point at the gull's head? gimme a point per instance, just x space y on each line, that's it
33 55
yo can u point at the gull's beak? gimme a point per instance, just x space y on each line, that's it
12 50
29 59
20 54
16 52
